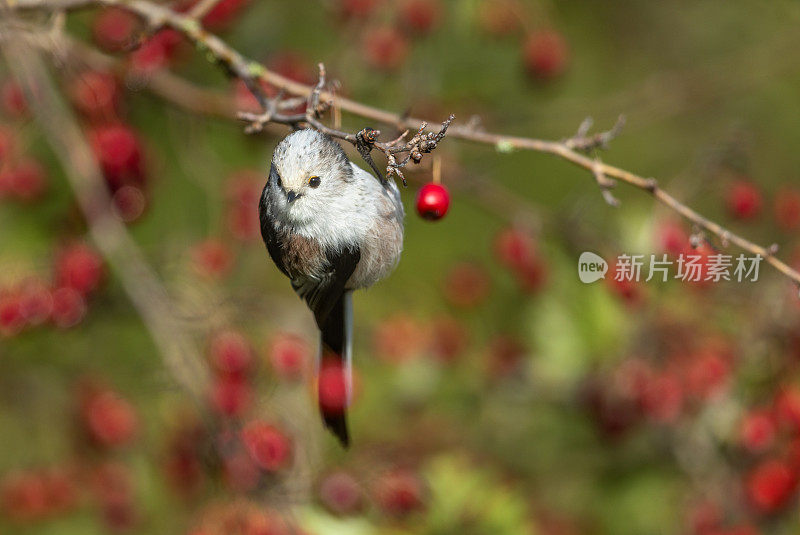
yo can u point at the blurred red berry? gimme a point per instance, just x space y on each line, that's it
231 353
113 489
432 202
787 408
770 485
182 462
399 493
69 307
385 48
545 54
129 203
466 285
114 29
11 317
332 387
96 95
448 338
25 181
224 13
514 247
787 209
706 374
757 430
157 52
212 258
36 302
61 489
671 237
6 146
420 15
110 420
357 8
243 190
498 17
79 267
268 446
744 200
289 355
13 99
663 398
240 471
23 496
341 494
399 338
704 518
505 356
231 396
119 152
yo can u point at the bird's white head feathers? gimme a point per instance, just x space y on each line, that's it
317 191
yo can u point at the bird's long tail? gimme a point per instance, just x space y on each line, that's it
334 376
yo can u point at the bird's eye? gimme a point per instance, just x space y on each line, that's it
314 181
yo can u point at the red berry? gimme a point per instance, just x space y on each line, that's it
432 201
13 99
231 353
663 398
332 387
341 493
69 307
514 247
129 203
399 493
357 8
398 338
505 356
787 209
223 14
268 446
385 48
36 302
79 267
11 317
744 200
25 181
6 146
706 374
787 408
289 356
672 238
212 258
109 419
24 496
448 339
466 285
545 54
498 17
231 396
156 52
182 464
119 151
757 430
770 485
96 94
114 28
243 191
420 15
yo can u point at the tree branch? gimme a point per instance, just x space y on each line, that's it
570 150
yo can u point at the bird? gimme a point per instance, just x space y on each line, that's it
332 228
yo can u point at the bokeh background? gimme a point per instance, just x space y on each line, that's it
496 393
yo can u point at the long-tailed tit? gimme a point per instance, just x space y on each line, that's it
332 228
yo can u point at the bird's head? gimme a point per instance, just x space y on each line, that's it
309 172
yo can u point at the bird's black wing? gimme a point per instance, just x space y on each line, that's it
321 293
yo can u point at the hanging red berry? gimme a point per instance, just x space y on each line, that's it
433 200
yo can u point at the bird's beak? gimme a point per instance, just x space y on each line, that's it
291 196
